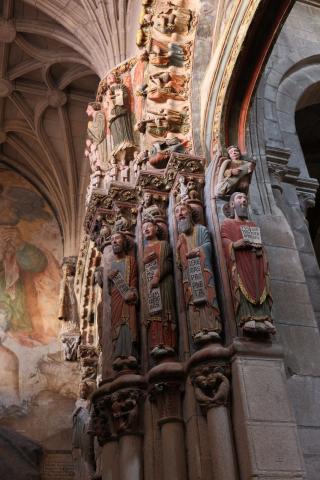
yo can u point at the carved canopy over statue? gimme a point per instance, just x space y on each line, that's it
194 251
159 304
248 269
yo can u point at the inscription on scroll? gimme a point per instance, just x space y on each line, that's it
251 234
120 284
154 294
196 280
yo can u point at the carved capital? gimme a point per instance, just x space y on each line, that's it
100 419
88 362
125 410
167 396
211 385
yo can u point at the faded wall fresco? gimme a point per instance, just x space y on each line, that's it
33 374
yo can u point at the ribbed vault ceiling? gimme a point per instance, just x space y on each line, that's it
52 54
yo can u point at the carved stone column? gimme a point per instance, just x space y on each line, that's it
102 428
210 372
166 382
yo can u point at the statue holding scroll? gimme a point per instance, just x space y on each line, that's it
248 269
119 116
194 251
124 296
160 315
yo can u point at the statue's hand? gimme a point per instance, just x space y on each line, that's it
112 274
252 166
195 252
235 171
130 297
241 244
155 280
150 257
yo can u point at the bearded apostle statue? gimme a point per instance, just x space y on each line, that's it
248 269
194 251
123 281
159 308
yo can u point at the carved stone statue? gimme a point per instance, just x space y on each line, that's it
140 161
194 251
248 269
172 19
159 304
97 133
124 296
160 123
70 342
234 173
211 387
163 86
119 116
161 150
82 441
165 55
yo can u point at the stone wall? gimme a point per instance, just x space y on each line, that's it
281 189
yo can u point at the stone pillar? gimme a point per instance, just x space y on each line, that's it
167 380
110 460
264 425
210 370
130 457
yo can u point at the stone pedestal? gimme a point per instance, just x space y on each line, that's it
264 425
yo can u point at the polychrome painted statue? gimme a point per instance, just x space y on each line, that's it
123 281
234 174
194 251
118 115
159 308
248 269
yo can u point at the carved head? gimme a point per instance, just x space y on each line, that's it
183 215
150 230
119 243
147 199
239 205
111 79
234 152
92 108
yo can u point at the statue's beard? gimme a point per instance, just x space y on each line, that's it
241 211
117 248
184 225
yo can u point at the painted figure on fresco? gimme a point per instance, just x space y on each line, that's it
123 281
194 252
96 132
160 315
25 268
119 116
9 378
234 173
248 269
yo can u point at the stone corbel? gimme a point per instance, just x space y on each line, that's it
277 160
